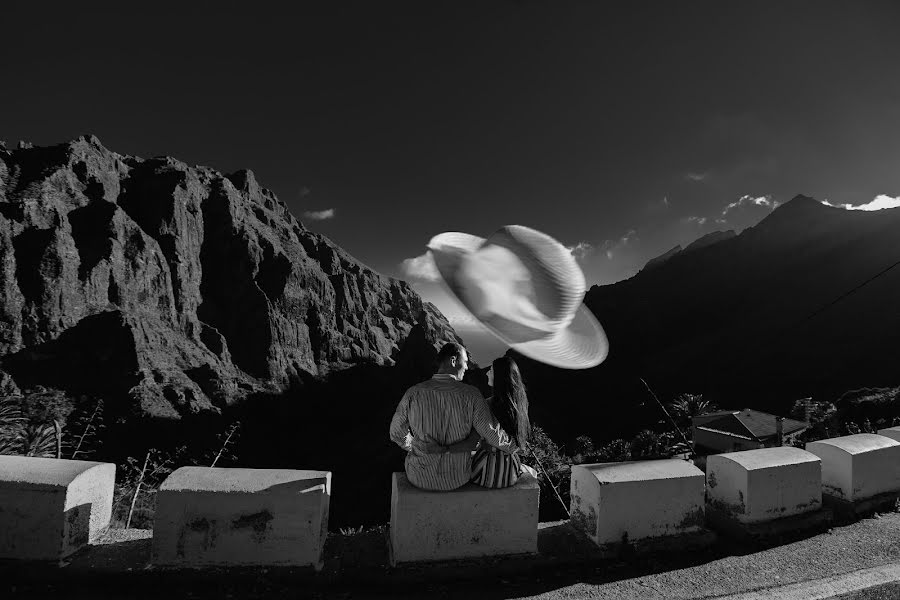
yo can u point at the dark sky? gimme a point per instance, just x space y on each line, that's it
626 129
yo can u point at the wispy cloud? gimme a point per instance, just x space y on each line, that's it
613 247
320 215
421 268
581 250
696 220
880 202
696 176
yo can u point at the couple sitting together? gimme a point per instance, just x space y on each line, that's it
526 288
441 421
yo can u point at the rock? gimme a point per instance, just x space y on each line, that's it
178 288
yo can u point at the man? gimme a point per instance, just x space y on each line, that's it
445 411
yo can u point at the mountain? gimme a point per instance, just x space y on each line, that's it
757 319
178 290
655 262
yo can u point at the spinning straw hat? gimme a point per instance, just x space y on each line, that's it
526 289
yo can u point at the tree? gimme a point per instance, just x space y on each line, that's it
615 451
687 406
12 423
554 474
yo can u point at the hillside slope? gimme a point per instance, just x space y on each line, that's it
747 320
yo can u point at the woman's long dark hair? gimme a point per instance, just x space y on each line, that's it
510 402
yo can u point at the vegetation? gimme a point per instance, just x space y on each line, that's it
857 411
48 423
554 464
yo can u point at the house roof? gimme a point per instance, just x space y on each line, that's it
751 424
717 413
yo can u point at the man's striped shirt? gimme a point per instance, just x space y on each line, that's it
443 410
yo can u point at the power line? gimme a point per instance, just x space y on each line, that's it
844 295
816 312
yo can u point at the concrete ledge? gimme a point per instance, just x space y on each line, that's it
756 486
858 467
668 544
468 522
210 516
891 432
846 510
624 502
50 508
794 526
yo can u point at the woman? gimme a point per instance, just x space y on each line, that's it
508 409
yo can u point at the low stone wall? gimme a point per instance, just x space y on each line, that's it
630 501
468 522
206 516
50 508
212 516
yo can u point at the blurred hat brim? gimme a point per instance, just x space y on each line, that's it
580 345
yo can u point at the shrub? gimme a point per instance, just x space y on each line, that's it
554 473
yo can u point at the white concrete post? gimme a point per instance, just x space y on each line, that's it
636 500
858 467
891 432
214 516
468 522
49 507
755 486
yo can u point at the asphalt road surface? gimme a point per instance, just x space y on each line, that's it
843 561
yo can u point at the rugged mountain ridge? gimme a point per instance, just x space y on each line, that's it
178 287
766 309
758 319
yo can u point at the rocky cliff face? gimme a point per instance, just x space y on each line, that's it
178 287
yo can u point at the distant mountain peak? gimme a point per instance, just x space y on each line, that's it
657 261
800 202
798 209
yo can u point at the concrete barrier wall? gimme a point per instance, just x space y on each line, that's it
891 432
637 500
50 508
213 516
762 485
468 522
858 467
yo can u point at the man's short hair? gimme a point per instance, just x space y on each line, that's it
448 351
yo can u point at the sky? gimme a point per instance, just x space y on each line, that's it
621 129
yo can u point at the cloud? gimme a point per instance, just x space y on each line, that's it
696 176
697 220
750 200
421 268
581 250
320 215
881 202
613 247
666 200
